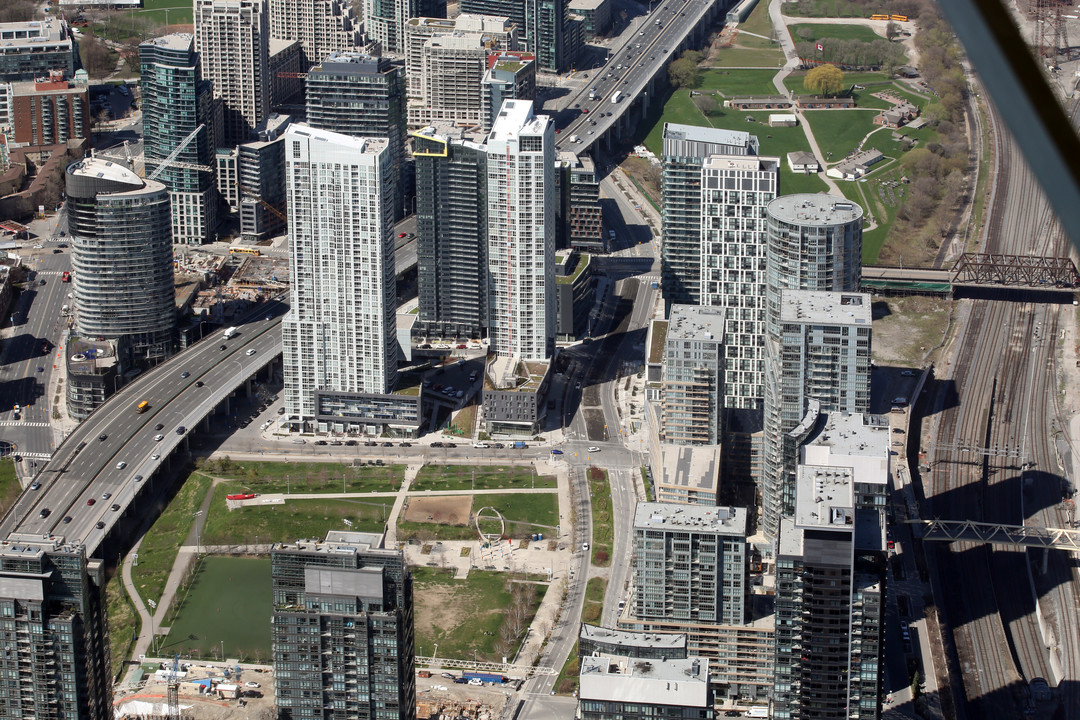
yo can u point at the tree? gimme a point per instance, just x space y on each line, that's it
892 30
684 73
705 103
824 80
95 56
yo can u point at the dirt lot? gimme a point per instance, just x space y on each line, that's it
907 328
451 510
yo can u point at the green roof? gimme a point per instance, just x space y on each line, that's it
583 262
659 335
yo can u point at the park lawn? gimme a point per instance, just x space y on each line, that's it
794 183
427 531
603 520
290 520
307 477
835 9
479 477
10 489
464 422
816 32
159 547
839 132
594 600
229 601
738 83
463 617
123 624
525 513
180 11
758 22
747 56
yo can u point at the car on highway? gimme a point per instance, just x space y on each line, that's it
121 465
401 235
44 512
198 383
35 485
106 495
41 368
67 519
593 448
159 426
181 430
138 478
159 438
251 351
102 436
155 456
91 501
100 525
115 507
185 374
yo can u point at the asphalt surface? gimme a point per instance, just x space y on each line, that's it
86 467
632 64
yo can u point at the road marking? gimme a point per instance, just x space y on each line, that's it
20 423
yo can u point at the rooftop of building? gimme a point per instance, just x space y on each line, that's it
814 210
351 61
852 440
339 541
679 683
824 498
456 41
279 45
364 145
678 131
802 157
511 63
172 41
695 322
870 530
106 169
516 118
46 87
272 127
90 357
740 162
695 467
511 374
33 32
469 22
817 307
627 638
450 132
702 518
658 330
572 265
580 5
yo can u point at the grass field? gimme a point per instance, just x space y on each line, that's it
594 600
289 521
872 81
524 514
479 477
123 623
10 489
157 552
603 520
747 57
228 602
280 477
835 8
464 617
815 32
738 83
179 11
839 131
567 681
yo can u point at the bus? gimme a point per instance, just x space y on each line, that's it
898 18
142 407
879 17
242 250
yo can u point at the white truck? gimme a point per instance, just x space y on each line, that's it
616 97
230 332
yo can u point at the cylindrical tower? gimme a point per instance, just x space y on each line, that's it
122 257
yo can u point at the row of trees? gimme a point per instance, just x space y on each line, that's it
855 53
516 617
685 72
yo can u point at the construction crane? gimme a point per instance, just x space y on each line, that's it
251 193
173 690
171 161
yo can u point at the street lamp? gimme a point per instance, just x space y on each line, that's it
153 635
196 515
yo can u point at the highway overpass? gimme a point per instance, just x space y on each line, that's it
632 70
70 502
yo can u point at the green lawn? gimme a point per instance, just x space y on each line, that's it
594 600
307 477
229 601
738 83
465 617
818 32
524 514
10 489
479 477
835 8
567 682
157 553
758 22
291 520
792 183
872 81
180 12
747 56
123 623
839 131
603 520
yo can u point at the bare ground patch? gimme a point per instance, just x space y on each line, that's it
907 329
443 510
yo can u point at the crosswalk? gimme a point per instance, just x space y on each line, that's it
18 423
36 456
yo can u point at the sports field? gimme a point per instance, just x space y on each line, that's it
228 602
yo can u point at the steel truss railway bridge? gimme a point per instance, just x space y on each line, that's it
979 532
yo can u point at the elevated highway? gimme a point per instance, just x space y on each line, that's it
71 503
632 69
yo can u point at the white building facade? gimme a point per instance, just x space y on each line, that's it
521 232
339 335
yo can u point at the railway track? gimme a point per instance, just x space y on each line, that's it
1004 400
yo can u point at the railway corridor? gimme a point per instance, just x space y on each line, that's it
1003 399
